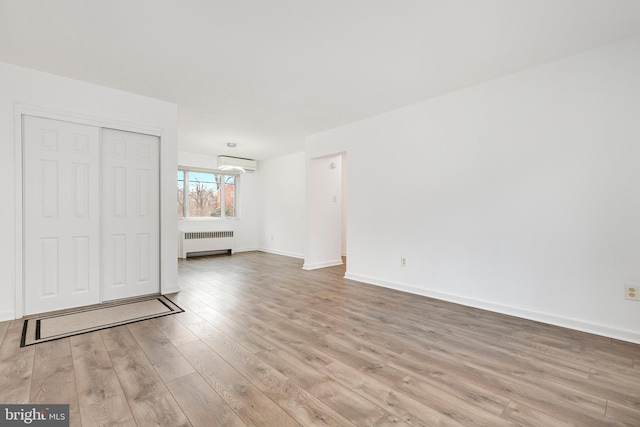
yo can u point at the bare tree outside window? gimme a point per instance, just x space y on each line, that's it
180 194
203 195
207 195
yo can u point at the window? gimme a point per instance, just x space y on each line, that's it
206 195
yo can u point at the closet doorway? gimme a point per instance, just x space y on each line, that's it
90 212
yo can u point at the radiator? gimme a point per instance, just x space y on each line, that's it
201 242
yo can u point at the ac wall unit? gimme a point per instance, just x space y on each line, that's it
226 163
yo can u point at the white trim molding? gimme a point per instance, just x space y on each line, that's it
245 250
283 253
317 265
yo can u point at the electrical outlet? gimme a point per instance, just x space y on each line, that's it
632 292
403 261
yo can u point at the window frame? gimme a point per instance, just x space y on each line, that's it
223 213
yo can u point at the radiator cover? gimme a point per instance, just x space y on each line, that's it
200 242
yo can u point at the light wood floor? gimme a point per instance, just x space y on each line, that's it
263 342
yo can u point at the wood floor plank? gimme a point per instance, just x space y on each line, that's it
552 399
201 404
408 409
242 396
95 377
622 389
354 338
456 383
455 386
286 334
188 318
163 355
555 366
371 361
369 358
3 330
501 361
621 364
112 411
295 369
354 407
623 414
561 379
240 334
118 338
16 366
428 373
303 406
461 390
175 331
623 347
149 399
526 416
300 404
53 380
455 407
350 405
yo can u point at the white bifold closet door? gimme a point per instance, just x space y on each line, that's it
130 214
91 214
61 205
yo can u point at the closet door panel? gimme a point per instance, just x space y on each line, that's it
131 219
61 195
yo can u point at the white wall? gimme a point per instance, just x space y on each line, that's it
282 205
245 227
22 90
520 195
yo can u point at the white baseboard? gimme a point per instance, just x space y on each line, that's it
245 250
317 265
284 253
579 325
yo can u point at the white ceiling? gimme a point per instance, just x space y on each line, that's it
266 73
